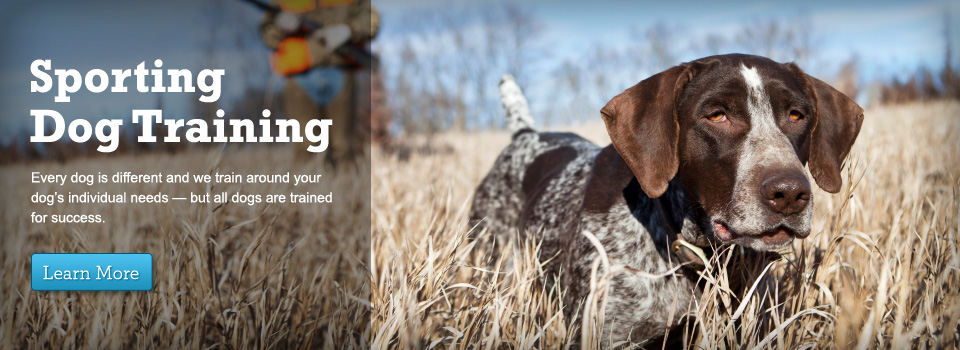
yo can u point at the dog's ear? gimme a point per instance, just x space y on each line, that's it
837 123
642 123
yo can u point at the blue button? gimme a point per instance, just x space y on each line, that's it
91 271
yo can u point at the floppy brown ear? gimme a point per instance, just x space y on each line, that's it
837 125
642 123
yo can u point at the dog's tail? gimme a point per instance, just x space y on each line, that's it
518 111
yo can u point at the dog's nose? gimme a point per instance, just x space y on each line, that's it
786 192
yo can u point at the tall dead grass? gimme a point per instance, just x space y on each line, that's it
880 269
225 276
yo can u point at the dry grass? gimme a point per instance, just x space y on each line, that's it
232 276
881 268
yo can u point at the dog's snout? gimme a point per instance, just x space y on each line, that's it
786 192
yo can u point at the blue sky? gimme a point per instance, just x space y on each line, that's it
890 37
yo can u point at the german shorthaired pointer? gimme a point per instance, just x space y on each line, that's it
715 147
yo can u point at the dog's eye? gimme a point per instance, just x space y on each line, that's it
795 116
717 117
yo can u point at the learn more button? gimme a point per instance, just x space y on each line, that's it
91 271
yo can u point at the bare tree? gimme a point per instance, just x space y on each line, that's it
949 76
522 30
847 77
657 47
714 44
448 61
571 77
792 40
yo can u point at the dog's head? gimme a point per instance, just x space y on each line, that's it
736 131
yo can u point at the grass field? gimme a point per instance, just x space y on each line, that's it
881 268
232 276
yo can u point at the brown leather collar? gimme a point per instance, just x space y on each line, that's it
689 254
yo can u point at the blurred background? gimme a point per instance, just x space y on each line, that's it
441 62
238 274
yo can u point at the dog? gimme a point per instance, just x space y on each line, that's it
705 154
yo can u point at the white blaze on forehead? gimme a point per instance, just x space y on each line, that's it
752 77
761 113
765 144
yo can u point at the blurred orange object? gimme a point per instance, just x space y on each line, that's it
297 6
335 3
292 56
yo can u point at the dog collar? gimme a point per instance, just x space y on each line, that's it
689 254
